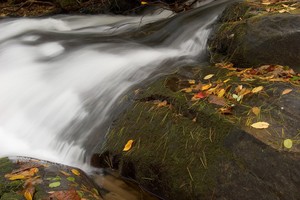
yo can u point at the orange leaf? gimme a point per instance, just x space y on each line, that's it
256 110
205 87
128 145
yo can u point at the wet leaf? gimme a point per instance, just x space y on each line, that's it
226 110
205 87
192 82
221 93
54 184
16 177
286 91
217 100
256 110
260 125
199 95
27 195
65 195
187 90
161 103
144 3
75 171
128 145
65 173
72 179
209 76
257 89
226 80
288 143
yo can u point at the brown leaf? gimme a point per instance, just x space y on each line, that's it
65 195
217 100
226 110
286 91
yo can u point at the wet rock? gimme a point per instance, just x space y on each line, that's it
20 177
250 35
186 149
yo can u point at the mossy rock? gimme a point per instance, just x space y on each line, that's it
249 36
188 150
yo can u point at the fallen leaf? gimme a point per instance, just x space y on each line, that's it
144 3
208 76
192 82
54 184
256 110
288 143
199 95
65 173
15 177
205 87
286 91
260 125
195 119
162 103
226 80
128 145
70 178
257 89
226 110
75 171
187 90
27 195
217 100
65 195
221 93
29 191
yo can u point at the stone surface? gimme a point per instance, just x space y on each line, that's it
187 150
249 36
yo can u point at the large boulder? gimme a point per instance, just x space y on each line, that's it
251 34
190 144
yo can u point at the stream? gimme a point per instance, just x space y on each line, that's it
62 78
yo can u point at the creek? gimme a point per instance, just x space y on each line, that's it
63 78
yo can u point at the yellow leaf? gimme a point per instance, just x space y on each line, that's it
286 91
187 90
221 93
257 89
65 173
256 110
260 125
75 171
16 177
208 76
128 145
205 87
288 143
226 80
27 195
192 82
144 3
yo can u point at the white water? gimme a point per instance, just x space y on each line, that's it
56 89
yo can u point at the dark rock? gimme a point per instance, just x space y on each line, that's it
249 41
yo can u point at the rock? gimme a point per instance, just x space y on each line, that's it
43 180
186 149
250 35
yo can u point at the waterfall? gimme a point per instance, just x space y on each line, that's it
62 77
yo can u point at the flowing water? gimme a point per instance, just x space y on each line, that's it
61 78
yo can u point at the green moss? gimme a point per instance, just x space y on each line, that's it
12 196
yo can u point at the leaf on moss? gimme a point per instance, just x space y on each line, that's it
286 91
288 143
54 184
75 171
256 110
257 89
209 76
128 145
260 125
